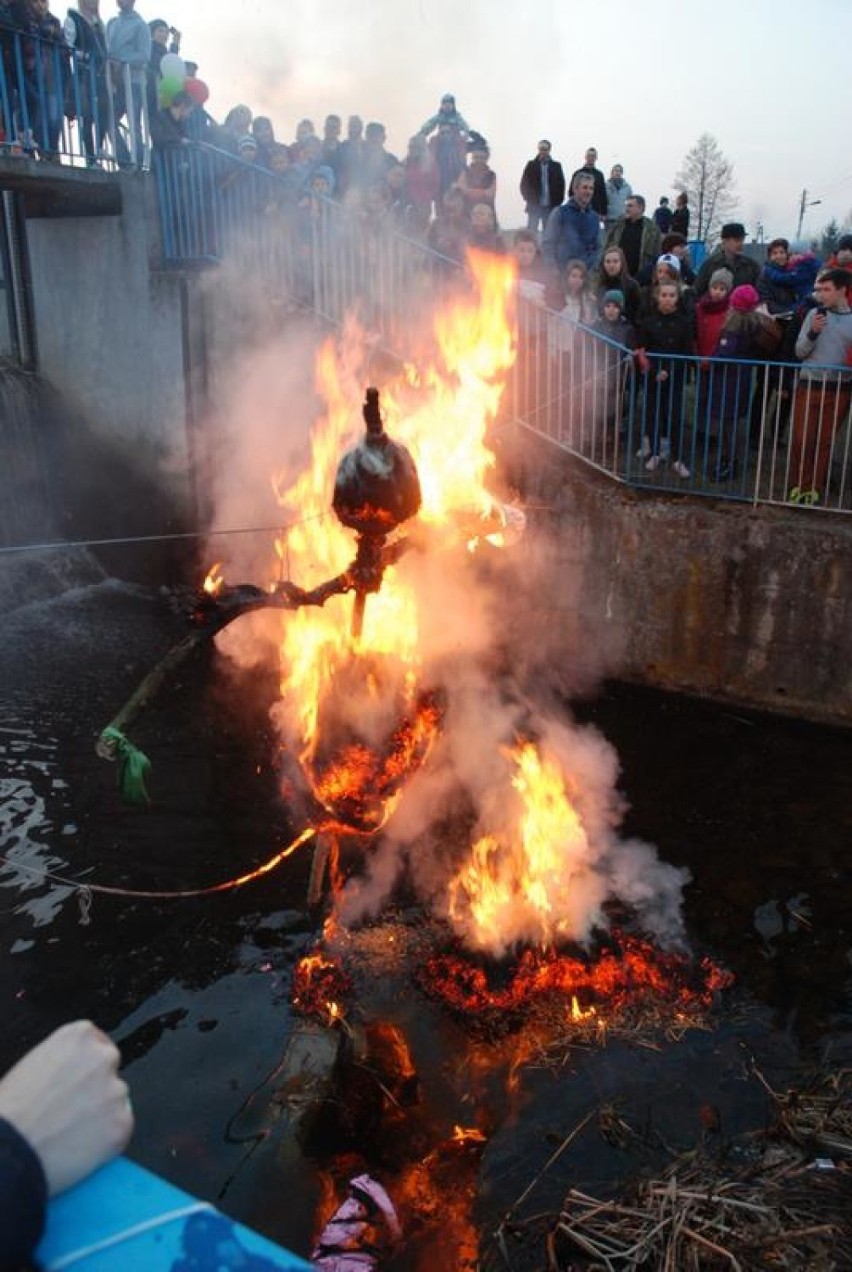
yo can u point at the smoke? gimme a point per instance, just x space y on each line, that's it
466 796
487 647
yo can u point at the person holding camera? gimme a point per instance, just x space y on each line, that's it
824 392
161 32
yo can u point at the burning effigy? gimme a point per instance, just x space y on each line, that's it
414 742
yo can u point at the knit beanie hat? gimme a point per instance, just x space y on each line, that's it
844 243
744 298
613 297
722 277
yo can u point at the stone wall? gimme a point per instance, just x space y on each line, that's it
752 605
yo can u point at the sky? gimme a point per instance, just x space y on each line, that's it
638 79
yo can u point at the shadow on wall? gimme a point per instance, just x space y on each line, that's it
60 481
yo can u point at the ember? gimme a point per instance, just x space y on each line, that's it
632 975
319 987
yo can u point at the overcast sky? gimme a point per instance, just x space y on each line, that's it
639 79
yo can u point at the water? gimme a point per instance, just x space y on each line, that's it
196 991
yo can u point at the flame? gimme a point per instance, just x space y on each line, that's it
518 883
213 582
442 414
319 985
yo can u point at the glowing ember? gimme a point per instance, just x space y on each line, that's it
319 986
361 786
632 975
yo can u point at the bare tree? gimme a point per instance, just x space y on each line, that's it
707 177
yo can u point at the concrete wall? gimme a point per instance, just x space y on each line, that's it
752 605
109 327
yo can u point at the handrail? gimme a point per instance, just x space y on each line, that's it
60 105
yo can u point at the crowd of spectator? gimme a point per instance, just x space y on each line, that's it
590 254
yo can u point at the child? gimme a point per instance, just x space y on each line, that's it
611 360
536 289
667 334
569 347
483 233
740 344
613 323
613 274
536 282
710 313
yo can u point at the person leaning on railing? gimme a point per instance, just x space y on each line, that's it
129 48
87 92
824 392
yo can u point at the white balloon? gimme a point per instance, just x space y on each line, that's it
172 67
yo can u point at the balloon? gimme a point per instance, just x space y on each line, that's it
172 67
167 88
197 89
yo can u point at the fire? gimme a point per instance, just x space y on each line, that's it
520 882
443 421
633 974
213 582
319 986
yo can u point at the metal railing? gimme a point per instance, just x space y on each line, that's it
755 432
752 431
59 104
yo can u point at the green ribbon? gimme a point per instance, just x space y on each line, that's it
133 767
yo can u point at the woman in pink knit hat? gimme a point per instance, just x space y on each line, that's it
731 381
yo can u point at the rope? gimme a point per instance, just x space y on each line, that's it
66 544
148 1225
86 891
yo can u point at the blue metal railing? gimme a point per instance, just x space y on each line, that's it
69 105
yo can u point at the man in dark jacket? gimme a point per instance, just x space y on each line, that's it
638 238
729 255
573 231
599 196
87 92
542 187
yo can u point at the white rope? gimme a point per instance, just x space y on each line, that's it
159 1221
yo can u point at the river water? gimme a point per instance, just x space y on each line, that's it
197 990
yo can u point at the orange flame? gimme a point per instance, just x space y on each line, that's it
443 420
214 580
519 883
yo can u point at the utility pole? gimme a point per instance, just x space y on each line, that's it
804 203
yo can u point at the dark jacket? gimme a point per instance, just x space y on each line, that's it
531 182
784 289
600 201
743 268
663 218
166 131
23 1198
621 331
571 233
730 393
680 221
649 244
666 334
